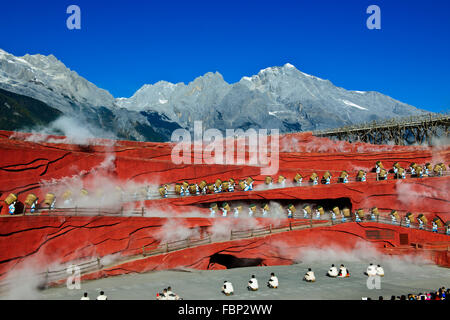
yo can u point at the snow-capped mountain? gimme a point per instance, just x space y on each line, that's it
277 97
48 80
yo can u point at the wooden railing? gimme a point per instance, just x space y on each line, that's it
85 267
387 220
262 231
43 279
371 176
82 212
174 245
166 247
91 211
249 233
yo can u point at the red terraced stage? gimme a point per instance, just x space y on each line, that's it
60 236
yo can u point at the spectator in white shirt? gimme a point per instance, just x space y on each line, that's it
333 272
102 296
371 271
309 276
380 271
253 284
227 288
273 281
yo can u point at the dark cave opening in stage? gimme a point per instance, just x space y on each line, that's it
327 204
229 261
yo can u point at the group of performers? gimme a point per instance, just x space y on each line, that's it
168 294
252 285
343 272
422 221
318 212
415 170
31 203
185 188
225 209
333 272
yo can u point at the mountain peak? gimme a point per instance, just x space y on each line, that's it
47 79
289 66
281 97
208 77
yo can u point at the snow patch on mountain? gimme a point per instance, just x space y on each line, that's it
351 104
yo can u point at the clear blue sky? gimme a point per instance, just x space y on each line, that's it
125 44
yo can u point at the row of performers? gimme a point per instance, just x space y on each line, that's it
318 213
307 211
185 188
31 202
415 170
409 219
421 220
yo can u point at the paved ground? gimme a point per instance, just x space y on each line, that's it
401 278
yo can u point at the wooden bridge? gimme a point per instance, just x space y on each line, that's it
400 131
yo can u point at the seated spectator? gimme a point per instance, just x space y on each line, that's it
273 281
253 284
333 272
380 271
171 295
227 288
343 272
371 271
162 295
309 276
102 296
